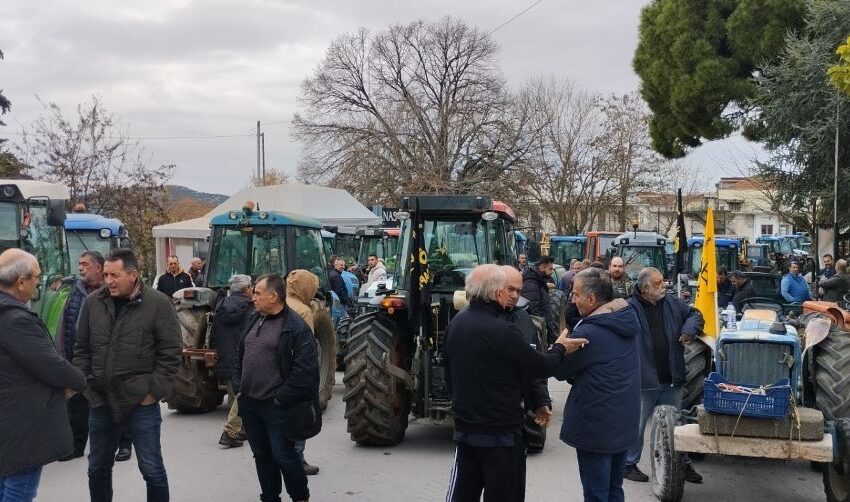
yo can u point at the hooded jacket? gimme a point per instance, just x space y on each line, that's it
131 355
34 426
602 412
230 320
679 319
301 287
378 273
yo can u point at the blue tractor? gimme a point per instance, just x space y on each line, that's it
248 242
728 252
565 248
780 389
93 232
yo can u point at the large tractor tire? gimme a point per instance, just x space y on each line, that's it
558 304
324 331
195 391
836 476
668 466
342 330
697 367
377 397
832 374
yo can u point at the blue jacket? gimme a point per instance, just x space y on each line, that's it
679 319
602 412
794 289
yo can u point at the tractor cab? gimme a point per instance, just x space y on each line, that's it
93 232
599 244
565 248
727 251
640 249
381 242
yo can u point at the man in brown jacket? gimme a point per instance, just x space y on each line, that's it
129 347
301 287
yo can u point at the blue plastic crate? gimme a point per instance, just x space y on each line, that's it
773 404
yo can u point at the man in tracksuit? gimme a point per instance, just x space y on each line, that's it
488 363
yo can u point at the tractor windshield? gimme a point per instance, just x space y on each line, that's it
380 246
80 241
639 257
46 242
309 253
563 251
251 250
726 256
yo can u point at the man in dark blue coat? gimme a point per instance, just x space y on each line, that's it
603 407
535 289
666 326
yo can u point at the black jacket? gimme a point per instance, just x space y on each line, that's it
229 322
298 357
338 285
168 283
744 292
602 412
679 319
725 292
535 290
536 393
488 363
34 428
129 356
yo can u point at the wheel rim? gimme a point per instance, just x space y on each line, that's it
659 467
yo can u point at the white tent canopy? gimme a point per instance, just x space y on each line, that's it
331 206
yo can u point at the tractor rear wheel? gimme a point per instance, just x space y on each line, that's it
836 476
195 391
342 331
377 397
668 466
324 331
558 306
832 374
697 367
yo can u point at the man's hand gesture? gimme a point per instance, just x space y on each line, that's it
570 344
542 415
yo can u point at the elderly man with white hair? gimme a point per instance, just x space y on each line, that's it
488 363
229 322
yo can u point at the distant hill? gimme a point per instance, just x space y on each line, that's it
179 192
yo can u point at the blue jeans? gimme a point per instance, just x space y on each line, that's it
649 399
274 454
21 486
601 475
143 426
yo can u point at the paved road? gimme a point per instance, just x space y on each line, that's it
417 470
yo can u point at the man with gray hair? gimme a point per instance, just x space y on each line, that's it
488 363
603 406
33 376
666 325
229 322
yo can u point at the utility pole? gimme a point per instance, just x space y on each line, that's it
259 174
263 142
835 185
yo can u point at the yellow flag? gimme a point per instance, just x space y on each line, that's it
706 301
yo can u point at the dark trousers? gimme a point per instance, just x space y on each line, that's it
498 471
601 475
78 416
274 454
143 426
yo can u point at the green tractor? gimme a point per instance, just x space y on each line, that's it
395 362
253 243
32 218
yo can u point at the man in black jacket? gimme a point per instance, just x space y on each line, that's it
536 400
33 417
535 289
129 347
229 322
174 279
277 372
337 283
743 289
488 363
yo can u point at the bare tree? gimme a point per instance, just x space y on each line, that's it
270 177
102 167
414 108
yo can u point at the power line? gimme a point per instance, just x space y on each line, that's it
516 16
218 136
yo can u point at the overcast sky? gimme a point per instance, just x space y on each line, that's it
182 68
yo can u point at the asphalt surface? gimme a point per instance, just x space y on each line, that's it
417 470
